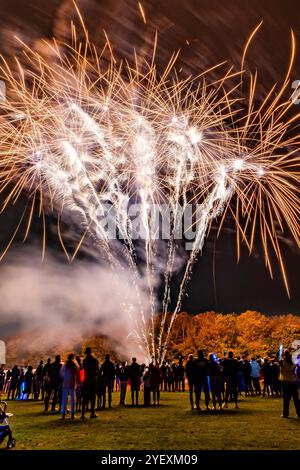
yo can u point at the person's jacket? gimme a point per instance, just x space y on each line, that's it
39 373
266 370
190 369
287 372
134 372
214 370
91 368
107 370
70 375
201 370
155 375
54 372
255 369
246 368
231 367
123 374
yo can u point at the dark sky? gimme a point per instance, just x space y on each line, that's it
216 31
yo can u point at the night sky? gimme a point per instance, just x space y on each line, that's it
215 31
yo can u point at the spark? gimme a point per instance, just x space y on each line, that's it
142 12
194 135
260 172
238 164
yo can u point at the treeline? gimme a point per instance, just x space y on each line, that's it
249 332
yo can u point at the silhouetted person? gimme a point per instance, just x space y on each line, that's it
180 375
147 385
15 373
201 382
7 380
79 386
240 376
289 384
216 381
107 371
123 376
163 371
46 377
230 372
91 369
117 381
55 384
255 373
2 379
246 370
174 368
20 384
190 374
170 379
266 372
100 390
70 377
28 379
134 372
155 379
276 384
38 380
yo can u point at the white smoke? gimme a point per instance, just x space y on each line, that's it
69 301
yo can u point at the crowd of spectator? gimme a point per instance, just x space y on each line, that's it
90 384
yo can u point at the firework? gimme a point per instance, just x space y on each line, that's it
85 129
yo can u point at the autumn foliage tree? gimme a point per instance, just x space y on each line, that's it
250 332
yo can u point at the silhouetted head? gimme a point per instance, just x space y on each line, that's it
123 363
134 359
191 357
230 354
48 360
41 363
57 358
287 356
107 357
200 354
266 360
212 358
71 357
88 351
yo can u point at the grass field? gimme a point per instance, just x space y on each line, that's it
172 425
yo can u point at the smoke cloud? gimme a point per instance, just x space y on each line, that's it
71 301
